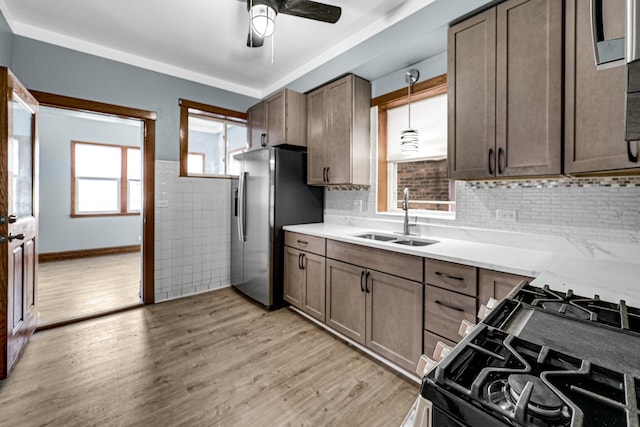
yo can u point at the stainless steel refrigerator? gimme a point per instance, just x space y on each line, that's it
270 192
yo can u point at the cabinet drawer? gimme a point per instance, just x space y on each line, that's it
305 242
448 275
444 310
397 264
430 341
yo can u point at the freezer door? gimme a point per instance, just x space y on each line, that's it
258 215
237 243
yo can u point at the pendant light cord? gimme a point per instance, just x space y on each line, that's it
409 90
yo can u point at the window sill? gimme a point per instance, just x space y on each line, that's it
204 175
446 215
105 214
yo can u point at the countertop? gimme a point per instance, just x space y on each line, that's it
588 270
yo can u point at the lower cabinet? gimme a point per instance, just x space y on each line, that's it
495 284
378 310
304 284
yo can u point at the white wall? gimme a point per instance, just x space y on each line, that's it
58 232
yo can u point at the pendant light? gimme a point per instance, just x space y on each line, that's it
409 136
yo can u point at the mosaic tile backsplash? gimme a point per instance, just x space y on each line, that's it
192 233
605 209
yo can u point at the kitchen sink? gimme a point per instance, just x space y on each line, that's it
413 242
374 236
397 240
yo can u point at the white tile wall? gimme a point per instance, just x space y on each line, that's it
192 233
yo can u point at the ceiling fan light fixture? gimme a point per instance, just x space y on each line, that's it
263 19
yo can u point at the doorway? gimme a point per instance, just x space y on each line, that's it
96 253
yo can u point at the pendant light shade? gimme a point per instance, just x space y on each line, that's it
263 19
409 136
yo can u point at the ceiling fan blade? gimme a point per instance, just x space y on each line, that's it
253 39
311 10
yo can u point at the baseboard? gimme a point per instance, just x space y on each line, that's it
85 253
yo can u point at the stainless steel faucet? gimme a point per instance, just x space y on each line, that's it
405 208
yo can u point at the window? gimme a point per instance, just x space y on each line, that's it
209 137
425 173
105 179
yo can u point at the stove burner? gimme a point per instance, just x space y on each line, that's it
566 309
543 400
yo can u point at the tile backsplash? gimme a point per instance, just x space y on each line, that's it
192 233
605 209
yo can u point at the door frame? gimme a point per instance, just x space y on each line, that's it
148 119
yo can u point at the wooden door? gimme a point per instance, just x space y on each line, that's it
346 299
257 125
293 277
18 219
276 127
529 87
340 104
314 296
594 100
471 89
394 318
317 137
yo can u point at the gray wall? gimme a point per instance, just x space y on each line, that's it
58 232
6 43
45 67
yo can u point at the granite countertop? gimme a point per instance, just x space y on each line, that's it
611 271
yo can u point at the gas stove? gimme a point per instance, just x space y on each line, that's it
542 358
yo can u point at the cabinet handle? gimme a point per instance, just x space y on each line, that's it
324 174
300 261
502 166
302 242
361 277
366 282
328 174
446 276
632 158
263 139
491 160
451 307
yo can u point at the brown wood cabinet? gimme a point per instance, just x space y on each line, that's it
338 133
444 311
304 273
376 308
594 99
495 284
279 119
505 91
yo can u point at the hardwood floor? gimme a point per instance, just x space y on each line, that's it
213 359
79 287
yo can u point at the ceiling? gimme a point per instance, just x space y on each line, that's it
205 40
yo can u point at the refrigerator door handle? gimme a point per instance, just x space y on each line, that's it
241 206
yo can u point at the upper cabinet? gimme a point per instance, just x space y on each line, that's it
505 91
338 133
594 99
279 119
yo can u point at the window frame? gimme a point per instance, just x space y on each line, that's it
420 91
192 107
123 193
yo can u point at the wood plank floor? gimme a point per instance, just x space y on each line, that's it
79 287
213 359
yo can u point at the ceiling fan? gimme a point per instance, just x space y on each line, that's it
262 15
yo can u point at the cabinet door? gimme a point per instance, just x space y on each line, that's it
472 96
293 277
346 299
595 100
276 119
529 87
340 105
495 284
394 318
317 137
314 291
257 125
